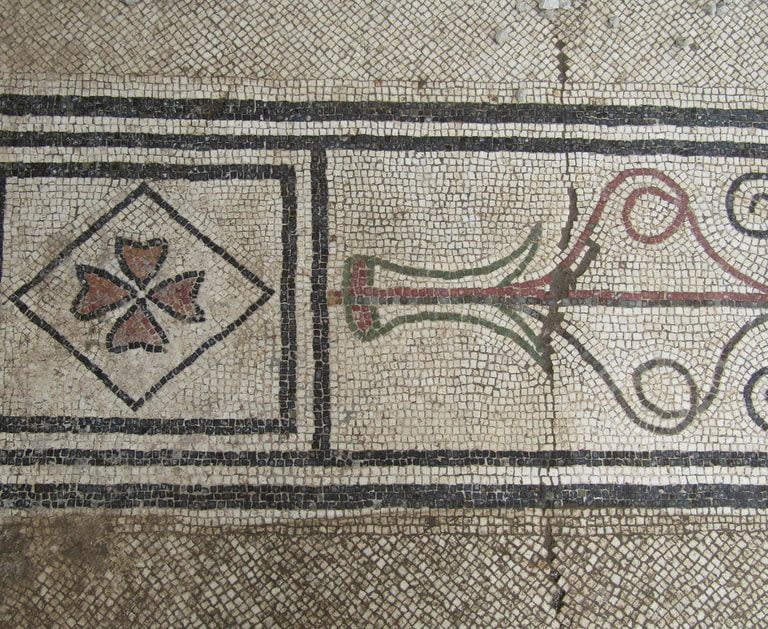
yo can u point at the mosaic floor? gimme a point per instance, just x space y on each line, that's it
443 314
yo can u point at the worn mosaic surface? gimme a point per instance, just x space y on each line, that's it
474 330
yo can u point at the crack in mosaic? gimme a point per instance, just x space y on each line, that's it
362 298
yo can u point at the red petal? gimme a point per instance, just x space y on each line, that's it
141 261
177 296
136 329
100 292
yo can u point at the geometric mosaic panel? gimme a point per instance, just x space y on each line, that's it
496 305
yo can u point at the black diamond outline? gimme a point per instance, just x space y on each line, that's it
143 189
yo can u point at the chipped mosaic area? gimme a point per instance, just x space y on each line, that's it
400 568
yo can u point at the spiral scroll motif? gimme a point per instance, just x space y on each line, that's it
685 415
746 204
756 397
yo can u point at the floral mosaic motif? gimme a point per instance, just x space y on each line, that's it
363 314
102 292
363 298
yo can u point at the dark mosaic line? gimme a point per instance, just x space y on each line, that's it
288 340
748 392
696 405
163 495
103 220
286 111
84 360
138 426
220 251
685 148
166 457
729 204
148 170
321 440
189 360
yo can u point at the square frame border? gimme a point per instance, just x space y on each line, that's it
286 176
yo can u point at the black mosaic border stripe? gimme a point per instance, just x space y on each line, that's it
288 111
286 176
192 142
378 496
167 457
321 440
138 426
288 340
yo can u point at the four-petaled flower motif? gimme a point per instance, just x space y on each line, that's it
102 292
